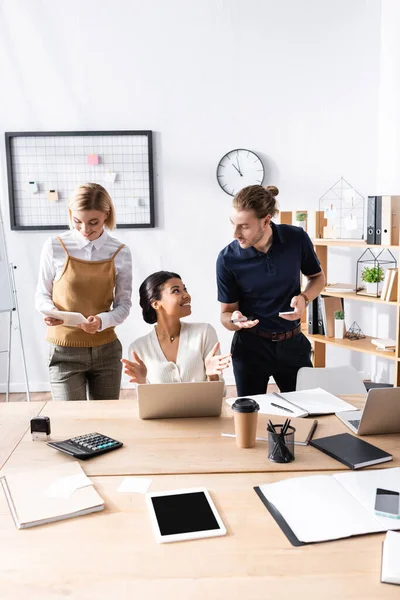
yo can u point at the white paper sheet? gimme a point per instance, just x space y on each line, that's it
66 486
138 485
71 319
316 401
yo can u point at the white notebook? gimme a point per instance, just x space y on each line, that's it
391 558
52 494
328 507
71 319
314 402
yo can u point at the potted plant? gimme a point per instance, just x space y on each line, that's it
372 276
301 219
339 324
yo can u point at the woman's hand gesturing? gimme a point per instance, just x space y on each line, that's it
216 363
136 369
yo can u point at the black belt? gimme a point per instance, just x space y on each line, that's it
276 336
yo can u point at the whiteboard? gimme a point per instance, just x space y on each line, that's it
6 294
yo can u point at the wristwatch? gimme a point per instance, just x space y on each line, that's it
307 300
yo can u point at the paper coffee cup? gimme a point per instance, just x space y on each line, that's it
245 414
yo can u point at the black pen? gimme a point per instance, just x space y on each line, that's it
282 407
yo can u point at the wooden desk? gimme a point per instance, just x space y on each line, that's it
113 554
172 446
14 422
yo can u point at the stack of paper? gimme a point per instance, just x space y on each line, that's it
384 344
390 558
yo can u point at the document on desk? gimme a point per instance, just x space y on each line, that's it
270 404
328 507
314 402
52 494
70 319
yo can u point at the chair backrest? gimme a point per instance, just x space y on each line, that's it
336 380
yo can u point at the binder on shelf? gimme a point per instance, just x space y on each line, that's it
312 316
386 239
395 220
329 306
371 204
320 322
378 220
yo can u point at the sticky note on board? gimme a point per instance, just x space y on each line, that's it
110 177
93 159
52 195
32 187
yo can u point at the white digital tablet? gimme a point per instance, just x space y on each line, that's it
188 514
71 319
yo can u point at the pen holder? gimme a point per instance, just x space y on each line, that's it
281 447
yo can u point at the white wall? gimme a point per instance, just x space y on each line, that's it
295 81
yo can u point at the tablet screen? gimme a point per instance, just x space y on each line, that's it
184 513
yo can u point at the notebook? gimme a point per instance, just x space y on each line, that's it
321 508
351 451
46 495
312 402
390 572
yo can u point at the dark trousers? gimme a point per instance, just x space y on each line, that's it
255 359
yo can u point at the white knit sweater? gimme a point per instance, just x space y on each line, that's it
195 342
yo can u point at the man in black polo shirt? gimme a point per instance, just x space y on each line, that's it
258 277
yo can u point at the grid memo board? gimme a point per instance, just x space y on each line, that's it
44 168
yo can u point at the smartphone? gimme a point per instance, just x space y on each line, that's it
387 503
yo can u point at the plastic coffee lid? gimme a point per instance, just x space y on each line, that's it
245 405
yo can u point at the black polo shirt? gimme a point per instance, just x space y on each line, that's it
264 283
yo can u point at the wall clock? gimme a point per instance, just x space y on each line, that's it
238 169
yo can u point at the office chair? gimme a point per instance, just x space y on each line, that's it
336 380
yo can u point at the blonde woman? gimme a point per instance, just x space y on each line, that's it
86 270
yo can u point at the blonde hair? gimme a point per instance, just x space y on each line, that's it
92 196
259 199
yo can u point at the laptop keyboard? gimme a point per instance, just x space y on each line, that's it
355 423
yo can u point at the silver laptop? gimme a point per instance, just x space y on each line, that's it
381 413
178 400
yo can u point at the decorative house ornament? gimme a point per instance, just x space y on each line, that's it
371 270
343 208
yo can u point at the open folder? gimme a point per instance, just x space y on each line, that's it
299 404
52 494
329 507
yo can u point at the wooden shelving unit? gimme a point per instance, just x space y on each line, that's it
365 346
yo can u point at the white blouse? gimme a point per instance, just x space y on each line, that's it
53 259
196 340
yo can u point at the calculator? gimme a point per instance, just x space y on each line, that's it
86 446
